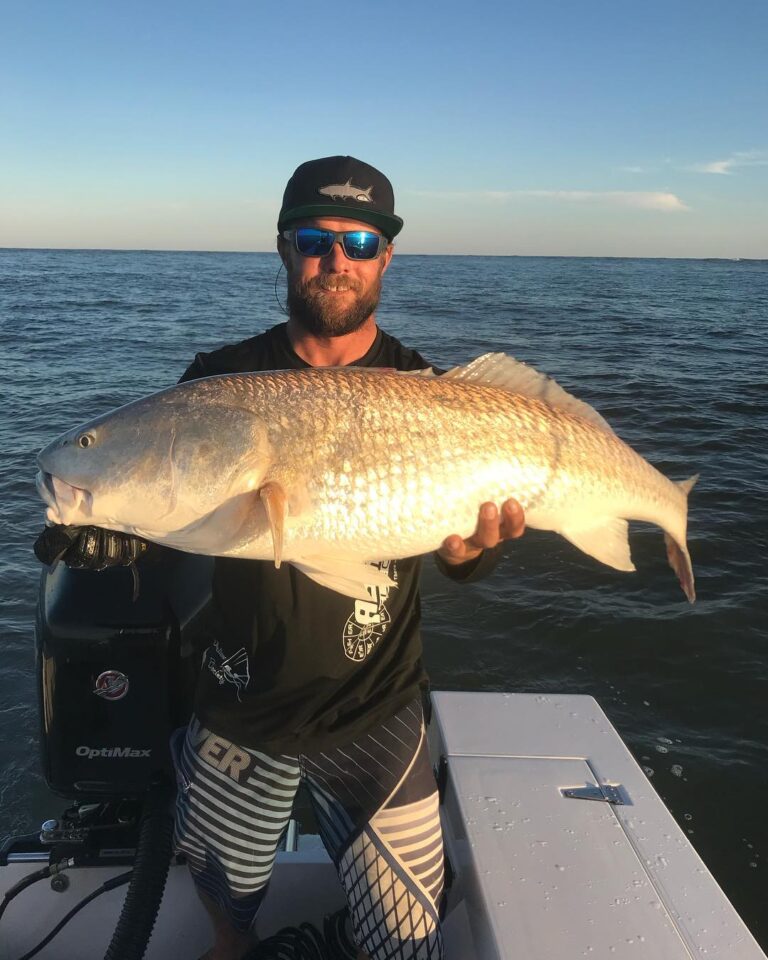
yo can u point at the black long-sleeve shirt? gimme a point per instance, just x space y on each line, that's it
290 665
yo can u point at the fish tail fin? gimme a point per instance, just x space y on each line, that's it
677 552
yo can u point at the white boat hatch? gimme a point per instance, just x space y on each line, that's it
548 873
547 876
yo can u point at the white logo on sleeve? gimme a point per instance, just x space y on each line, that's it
232 669
370 619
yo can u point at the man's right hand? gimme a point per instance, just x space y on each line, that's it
88 548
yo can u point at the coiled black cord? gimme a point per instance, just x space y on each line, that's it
305 942
341 946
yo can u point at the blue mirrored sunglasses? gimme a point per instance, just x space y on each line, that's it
356 244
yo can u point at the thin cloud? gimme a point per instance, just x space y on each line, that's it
748 158
643 200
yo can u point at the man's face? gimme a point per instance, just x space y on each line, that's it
332 295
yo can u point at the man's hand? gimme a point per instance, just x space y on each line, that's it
491 529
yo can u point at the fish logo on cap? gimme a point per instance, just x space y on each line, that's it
347 191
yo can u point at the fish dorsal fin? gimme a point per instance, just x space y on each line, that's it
506 373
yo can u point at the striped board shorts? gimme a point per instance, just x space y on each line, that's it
376 805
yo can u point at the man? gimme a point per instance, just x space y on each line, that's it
297 681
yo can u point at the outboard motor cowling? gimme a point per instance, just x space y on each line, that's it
116 674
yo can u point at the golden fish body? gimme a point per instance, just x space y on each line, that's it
335 468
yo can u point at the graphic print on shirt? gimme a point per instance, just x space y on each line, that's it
232 669
370 619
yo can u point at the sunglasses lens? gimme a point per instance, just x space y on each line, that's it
312 242
361 245
358 244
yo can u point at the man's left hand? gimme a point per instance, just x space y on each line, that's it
492 528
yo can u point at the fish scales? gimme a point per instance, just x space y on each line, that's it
355 465
388 460
456 445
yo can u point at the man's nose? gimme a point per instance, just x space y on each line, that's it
336 259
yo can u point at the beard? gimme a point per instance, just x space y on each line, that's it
313 305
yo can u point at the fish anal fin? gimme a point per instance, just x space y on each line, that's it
607 540
505 373
274 500
348 577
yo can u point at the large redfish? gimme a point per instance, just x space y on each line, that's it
333 469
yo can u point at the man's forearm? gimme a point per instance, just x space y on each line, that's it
477 568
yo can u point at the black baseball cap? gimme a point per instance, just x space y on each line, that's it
341 187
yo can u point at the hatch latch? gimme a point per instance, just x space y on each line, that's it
606 792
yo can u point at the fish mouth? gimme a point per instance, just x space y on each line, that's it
66 503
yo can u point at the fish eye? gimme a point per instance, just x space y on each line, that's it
85 440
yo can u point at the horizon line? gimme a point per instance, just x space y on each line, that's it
531 256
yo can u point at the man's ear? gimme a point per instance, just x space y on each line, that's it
282 248
388 255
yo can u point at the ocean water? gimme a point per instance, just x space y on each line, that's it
672 352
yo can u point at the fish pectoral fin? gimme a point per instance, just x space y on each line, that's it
349 577
607 540
274 500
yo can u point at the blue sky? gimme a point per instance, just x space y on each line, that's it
545 128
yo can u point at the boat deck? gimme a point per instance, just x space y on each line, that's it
560 846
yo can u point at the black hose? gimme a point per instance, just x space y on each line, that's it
23 884
104 888
150 871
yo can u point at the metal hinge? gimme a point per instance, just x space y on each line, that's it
606 792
